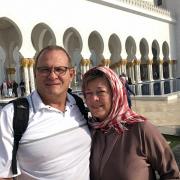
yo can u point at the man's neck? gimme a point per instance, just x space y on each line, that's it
56 102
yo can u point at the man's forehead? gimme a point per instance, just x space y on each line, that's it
53 52
58 55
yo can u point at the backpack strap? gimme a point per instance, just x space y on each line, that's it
20 123
80 103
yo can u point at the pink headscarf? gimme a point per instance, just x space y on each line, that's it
120 113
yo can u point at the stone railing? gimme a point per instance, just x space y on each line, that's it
148 6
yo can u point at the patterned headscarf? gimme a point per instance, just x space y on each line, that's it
120 114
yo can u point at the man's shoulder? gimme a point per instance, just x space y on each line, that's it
8 107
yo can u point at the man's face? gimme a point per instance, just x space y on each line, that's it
50 81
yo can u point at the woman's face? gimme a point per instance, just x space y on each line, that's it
98 97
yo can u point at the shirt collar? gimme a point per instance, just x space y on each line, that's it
38 104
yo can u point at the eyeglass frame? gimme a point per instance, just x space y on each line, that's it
49 70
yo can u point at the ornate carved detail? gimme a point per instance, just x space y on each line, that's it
149 62
136 62
160 61
170 61
10 70
83 62
105 62
31 62
174 61
25 62
88 61
130 63
124 61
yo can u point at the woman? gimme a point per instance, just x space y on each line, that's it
125 145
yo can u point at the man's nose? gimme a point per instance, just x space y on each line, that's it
52 74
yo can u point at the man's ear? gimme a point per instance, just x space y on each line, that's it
72 73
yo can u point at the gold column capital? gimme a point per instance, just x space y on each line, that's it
108 61
11 70
105 62
169 61
113 65
136 62
25 62
130 63
83 62
88 62
149 61
174 61
124 61
119 63
160 61
31 62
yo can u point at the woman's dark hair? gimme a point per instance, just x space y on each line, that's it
91 75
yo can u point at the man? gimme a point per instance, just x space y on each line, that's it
56 144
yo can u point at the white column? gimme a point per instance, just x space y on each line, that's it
174 67
162 87
10 73
131 72
139 89
137 71
171 85
2 62
170 69
24 63
161 70
85 62
105 62
123 67
151 88
149 65
83 66
31 75
119 68
124 60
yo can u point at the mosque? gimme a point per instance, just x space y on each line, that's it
140 38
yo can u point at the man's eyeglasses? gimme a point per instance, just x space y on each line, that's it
60 70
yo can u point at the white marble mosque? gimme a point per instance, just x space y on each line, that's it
138 37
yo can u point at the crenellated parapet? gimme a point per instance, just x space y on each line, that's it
148 6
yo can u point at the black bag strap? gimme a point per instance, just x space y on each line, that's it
20 123
80 103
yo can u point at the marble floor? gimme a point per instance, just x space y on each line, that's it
160 113
163 114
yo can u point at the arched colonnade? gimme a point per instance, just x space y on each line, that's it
141 59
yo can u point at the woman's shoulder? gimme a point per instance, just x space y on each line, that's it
146 128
